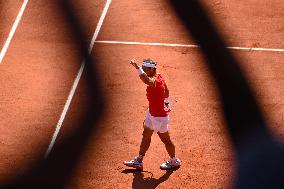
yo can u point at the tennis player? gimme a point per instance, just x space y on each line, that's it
157 117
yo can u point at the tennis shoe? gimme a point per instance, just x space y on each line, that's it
135 163
172 163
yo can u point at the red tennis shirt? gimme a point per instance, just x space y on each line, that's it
156 95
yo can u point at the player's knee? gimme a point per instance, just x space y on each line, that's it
147 134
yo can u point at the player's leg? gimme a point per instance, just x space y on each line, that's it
147 135
137 162
170 147
164 135
146 141
173 162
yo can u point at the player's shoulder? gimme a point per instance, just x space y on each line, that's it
159 77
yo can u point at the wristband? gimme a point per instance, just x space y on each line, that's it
140 71
166 101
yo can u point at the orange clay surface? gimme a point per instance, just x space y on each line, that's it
42 62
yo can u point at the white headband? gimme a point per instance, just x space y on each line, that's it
148 65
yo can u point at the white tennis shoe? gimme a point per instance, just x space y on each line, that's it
135 163
172 163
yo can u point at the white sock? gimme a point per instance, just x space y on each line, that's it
139 157
173 159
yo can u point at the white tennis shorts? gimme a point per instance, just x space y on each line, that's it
158 124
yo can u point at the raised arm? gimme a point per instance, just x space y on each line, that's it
142 75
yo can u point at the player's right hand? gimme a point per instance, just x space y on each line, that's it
133 63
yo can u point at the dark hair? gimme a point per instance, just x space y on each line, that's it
150 61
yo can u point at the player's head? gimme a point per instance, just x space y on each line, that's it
149 67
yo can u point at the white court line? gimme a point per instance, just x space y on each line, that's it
14 27
76 82
187 45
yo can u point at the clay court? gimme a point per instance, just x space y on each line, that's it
45 88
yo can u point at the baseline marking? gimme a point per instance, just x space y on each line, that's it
76 82
12 32
187 45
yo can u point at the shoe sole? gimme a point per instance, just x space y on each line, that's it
170 168
133 166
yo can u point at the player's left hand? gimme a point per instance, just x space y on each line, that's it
168 105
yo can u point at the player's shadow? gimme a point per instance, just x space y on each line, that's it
140 181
